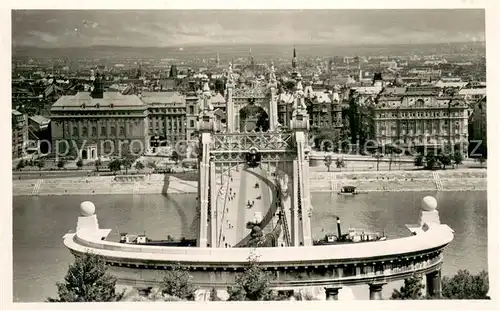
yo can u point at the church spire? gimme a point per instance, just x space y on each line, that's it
294 60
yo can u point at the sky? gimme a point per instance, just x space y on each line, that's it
161 28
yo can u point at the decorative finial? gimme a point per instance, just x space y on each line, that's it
272 75
205 101
230 77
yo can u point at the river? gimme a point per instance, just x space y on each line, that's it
41 260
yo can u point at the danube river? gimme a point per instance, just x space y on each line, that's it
41 260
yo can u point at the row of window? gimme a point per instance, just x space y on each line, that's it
419 139
418 114
93 131
94 113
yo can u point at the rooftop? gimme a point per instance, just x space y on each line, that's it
110 99
40 119
163 98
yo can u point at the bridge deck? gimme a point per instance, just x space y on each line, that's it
237 214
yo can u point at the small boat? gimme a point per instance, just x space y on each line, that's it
348 190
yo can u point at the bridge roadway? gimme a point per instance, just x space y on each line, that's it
333 266
241 190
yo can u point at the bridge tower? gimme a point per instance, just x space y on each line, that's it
283 165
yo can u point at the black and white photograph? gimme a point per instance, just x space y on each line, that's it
213 155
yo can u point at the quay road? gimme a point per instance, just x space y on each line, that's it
236 213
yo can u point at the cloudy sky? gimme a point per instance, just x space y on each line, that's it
177 28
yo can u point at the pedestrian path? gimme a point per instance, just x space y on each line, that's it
36 188
437 181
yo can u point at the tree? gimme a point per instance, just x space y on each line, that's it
87 280
430 161
213 295
177 282
97 164
20 165
175 156
40 163
458 157
139 166
61 163
127 162
339 162
252 284
412 289
79 164
419 160
444 159
378 156
464 285
328 161
115 166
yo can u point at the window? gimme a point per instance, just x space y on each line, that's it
75 131
103 131
122 130
191 110
191 123
113 131
94 131
84 131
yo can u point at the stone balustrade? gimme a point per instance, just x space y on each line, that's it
332 266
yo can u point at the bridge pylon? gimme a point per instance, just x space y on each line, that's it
282 153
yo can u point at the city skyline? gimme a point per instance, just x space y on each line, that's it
162 28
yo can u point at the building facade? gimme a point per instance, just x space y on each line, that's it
419 117
104 123
477 130
19 134
166 116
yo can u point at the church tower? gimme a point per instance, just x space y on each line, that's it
294 64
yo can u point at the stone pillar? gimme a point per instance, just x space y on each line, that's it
376 291
433 281
332 293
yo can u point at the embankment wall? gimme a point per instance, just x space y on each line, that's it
450 180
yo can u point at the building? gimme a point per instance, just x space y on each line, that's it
473 93
419 116
166 116
38 123
19 134
477 129
325 111
104 123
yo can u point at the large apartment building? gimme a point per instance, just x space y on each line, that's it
418 116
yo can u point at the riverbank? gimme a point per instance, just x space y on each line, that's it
450 180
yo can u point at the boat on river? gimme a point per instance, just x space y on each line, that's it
352 236
349 190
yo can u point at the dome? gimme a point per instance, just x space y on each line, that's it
87 208
429 203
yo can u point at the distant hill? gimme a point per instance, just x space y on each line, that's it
261 51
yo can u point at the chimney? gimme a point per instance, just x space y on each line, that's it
339 231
